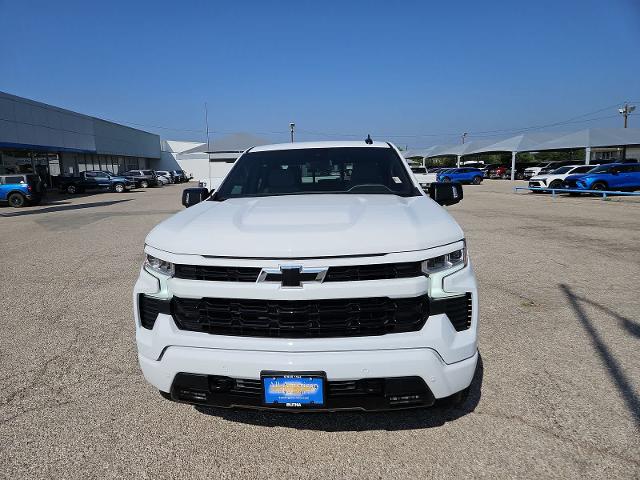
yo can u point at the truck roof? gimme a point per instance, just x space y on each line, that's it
325 144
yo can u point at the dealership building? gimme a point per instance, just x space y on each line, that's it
52 141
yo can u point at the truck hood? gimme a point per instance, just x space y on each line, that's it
306 226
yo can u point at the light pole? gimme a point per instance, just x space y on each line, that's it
625 112
464 135
292 127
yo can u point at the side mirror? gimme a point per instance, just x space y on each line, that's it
191 196
445 193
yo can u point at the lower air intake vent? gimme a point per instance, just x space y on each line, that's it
458 309
149 308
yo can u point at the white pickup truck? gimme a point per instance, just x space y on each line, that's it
318 276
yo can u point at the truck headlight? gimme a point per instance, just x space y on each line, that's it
455 258
160 266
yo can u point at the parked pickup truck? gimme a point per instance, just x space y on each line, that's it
94 180
318 276
20 189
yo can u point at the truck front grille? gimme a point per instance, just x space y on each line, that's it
380 271
301 318
219 274
350 273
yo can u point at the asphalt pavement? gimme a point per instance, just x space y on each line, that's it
557 394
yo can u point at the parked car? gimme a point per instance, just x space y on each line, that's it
551 166
386 323
20 189
94 180
519 175
546 167
179 176
461 175
166 175
145 178
486 169
555 178
497 171
612 176
423 177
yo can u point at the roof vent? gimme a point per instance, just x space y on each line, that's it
368 140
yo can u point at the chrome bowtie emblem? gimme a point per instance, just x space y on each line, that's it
292 276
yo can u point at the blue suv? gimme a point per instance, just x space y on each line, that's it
612 176
461 175
20 189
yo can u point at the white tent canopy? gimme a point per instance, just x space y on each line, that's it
594 137
525 142
545 141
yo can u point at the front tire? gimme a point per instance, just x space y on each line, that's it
555 184
17 200
144 184
477 180
446 180
599 186
72 189
118 188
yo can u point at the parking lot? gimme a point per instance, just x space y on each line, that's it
557 393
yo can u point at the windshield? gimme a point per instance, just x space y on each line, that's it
600 169
357 170
562 170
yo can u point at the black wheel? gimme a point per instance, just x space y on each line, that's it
519 176
599 186
144 184
446 179
17 200
454 400
555 184
71 189
477 180
118 187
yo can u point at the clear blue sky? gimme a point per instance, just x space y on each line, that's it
390 68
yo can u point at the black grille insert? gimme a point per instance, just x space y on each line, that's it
301 318
219 274
380 271
458 309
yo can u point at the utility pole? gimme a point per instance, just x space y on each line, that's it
625 112
464 135
292 127
206 121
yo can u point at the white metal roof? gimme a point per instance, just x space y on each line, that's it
542 141
594 137
519 143
237 142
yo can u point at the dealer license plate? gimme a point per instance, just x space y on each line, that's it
293 390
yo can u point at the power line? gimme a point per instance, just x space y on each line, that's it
480 133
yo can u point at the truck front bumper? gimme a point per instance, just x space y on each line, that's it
366 380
